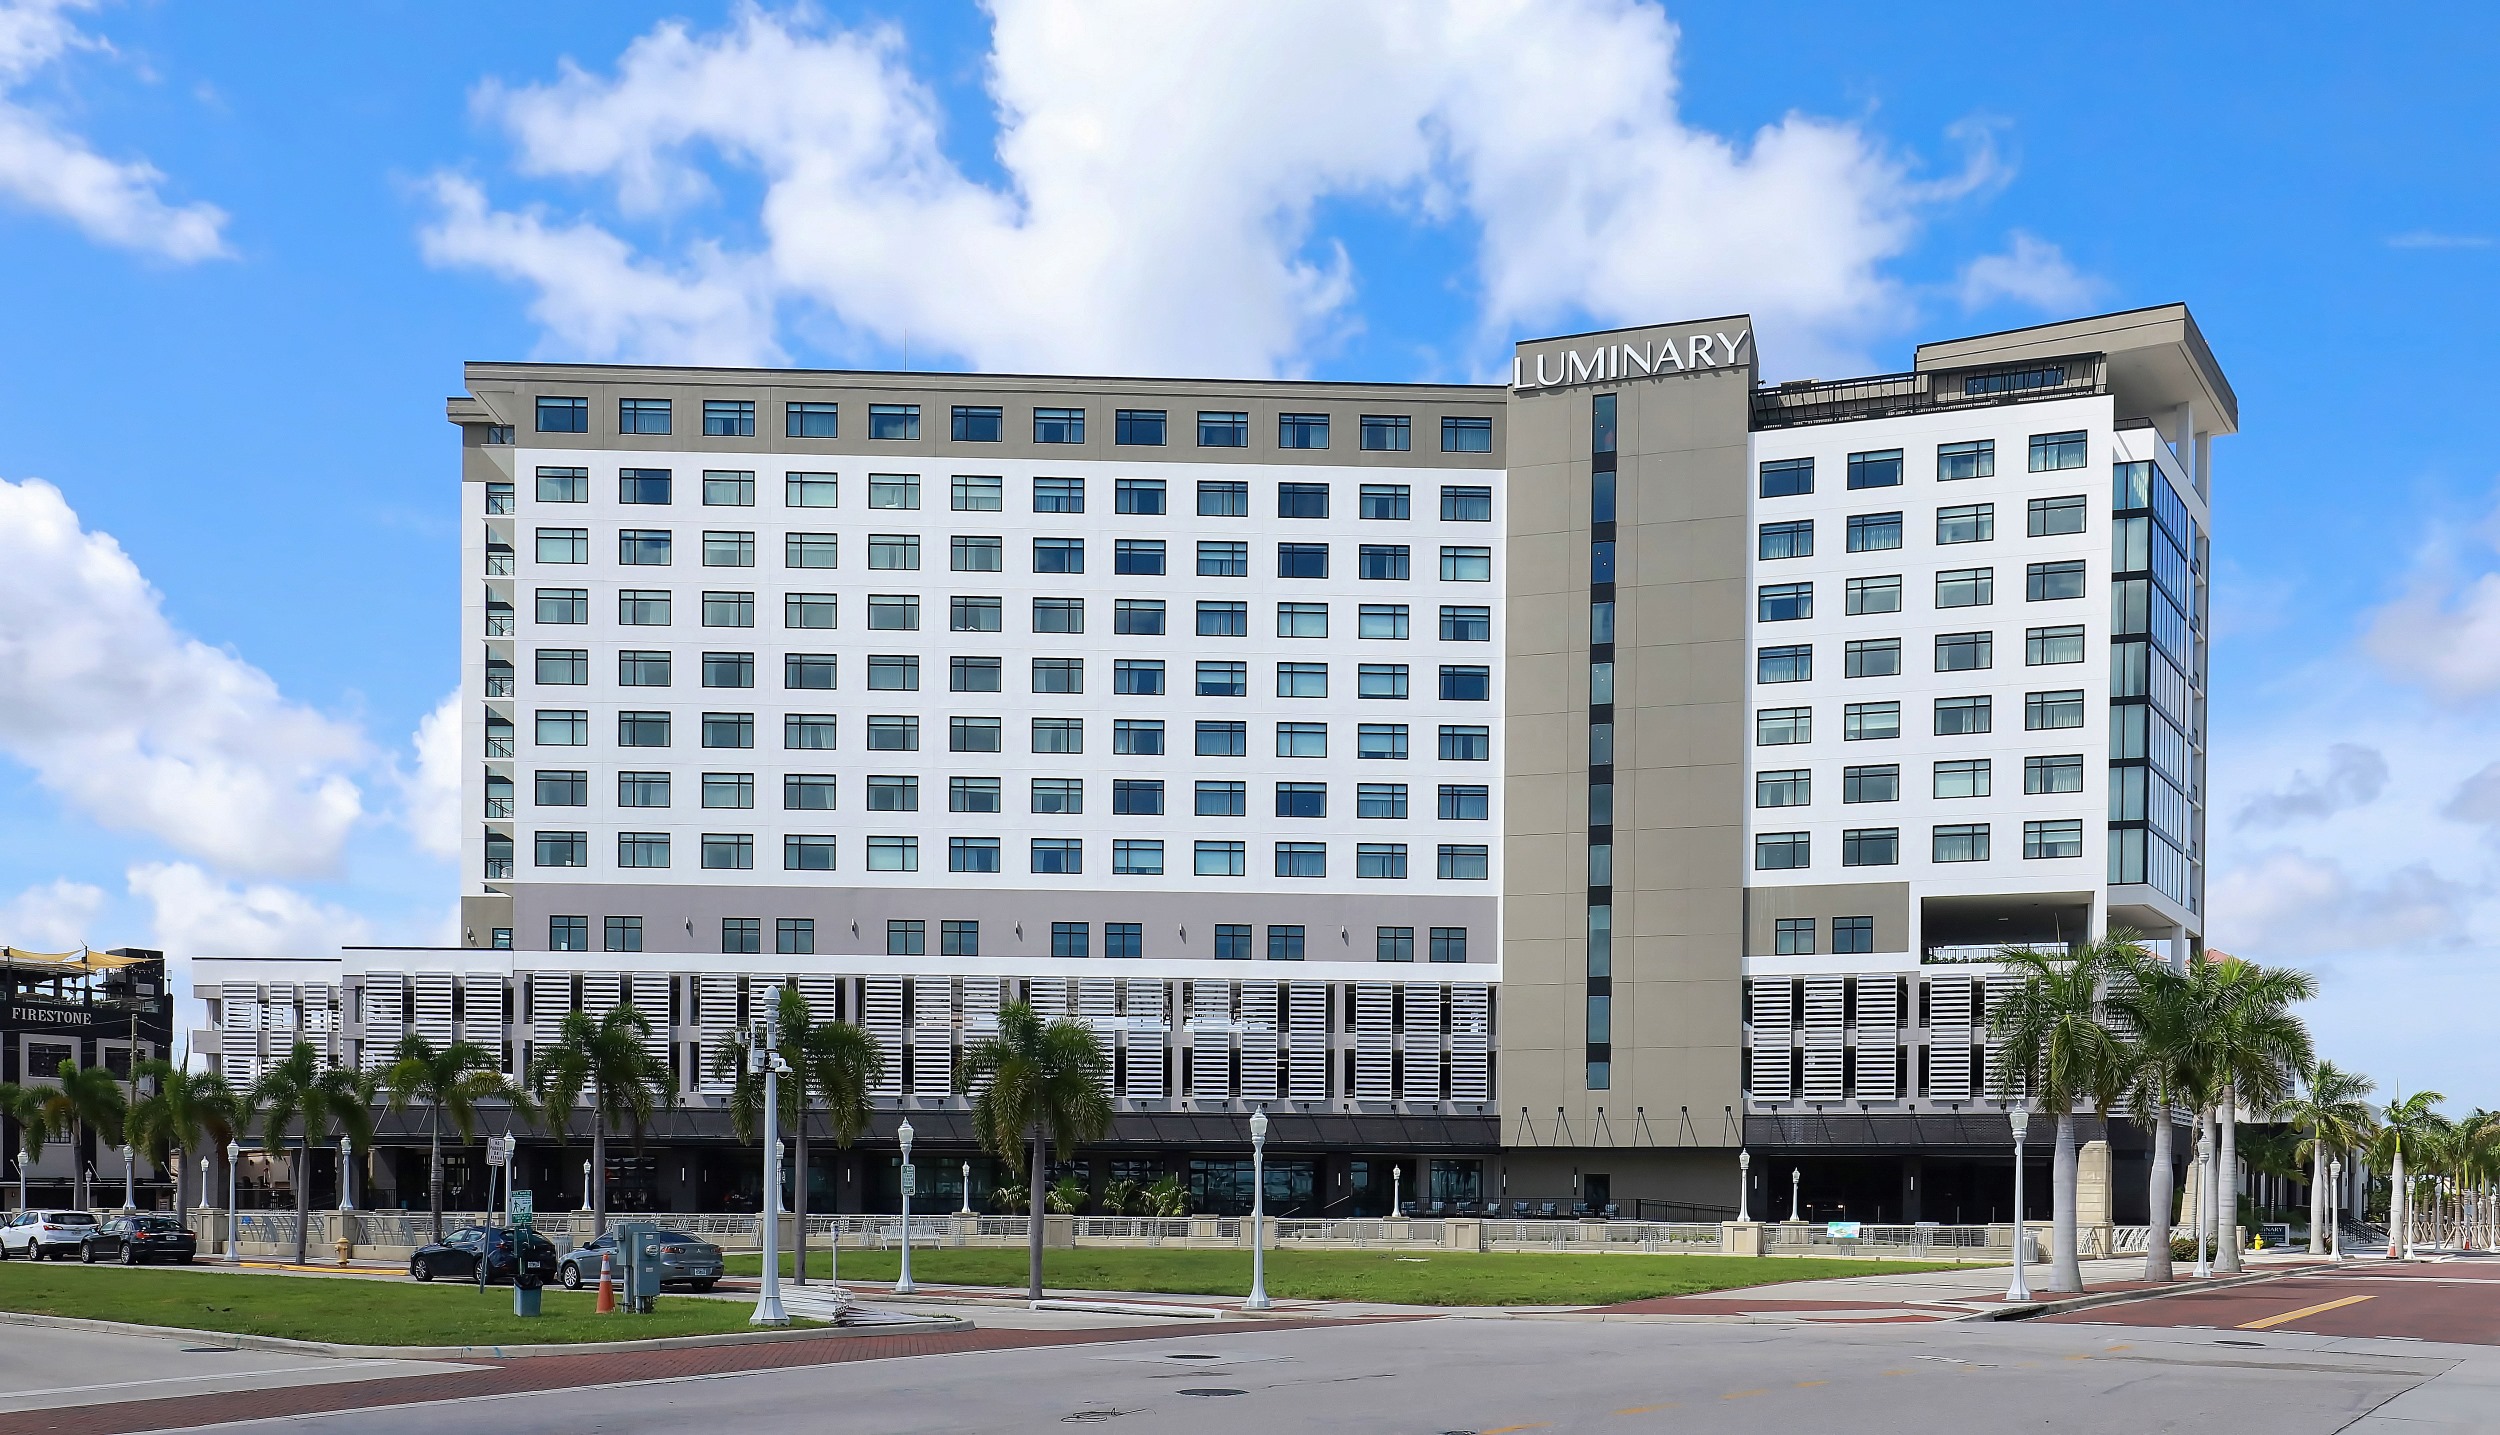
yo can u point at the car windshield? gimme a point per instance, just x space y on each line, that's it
159 1224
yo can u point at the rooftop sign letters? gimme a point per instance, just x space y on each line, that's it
1569 363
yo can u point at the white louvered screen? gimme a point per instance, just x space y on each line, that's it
1471 1044
647 992
1826 1002
2000 988
824 998
1419 1043
1098 1004
1142 1072
1374 1040
717 998
383 1025
881 1003
1052 998
932 1036
551 1000
238 1033
1948 1037
280 1015
599 994
1877 1060
1773 1016
1306 1041
981 1003
1258 1041
1211 1040
321 1020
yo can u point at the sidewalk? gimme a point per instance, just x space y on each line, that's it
1961 1294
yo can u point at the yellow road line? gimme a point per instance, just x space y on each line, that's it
2308 1310
1808 1384
1514 1429
1643 1409
1731 1395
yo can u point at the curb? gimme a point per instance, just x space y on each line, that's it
934 1325
2087 1302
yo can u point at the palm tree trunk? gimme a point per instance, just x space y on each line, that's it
1033 1234
2227 1187
2157 1202
2065 1269
303 1193
2317 1196
2396 1207
798 1199
434 1177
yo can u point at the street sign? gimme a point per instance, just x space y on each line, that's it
498 1150
520 1207
1842 1230
910 1181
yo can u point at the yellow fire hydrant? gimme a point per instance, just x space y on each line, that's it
344 1247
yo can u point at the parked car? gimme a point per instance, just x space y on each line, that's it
457 1256
40 1234
684 1260
132 1239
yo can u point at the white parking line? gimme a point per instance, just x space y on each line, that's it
9 1395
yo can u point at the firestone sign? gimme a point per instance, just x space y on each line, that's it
1615 360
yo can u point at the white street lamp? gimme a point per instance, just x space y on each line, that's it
2204 1203
2335 1208
130 1196
1744 1185
764 1051
234 1157
1796 1186
902 1282
967 1210
2020 1119
347 1175
1397 1182
1258 1211
585 1185
208 1197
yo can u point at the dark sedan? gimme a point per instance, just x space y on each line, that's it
133 1239
457 1256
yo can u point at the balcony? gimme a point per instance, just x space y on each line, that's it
499 807
498 869
499 562
499 685
499 622
500 504
499 744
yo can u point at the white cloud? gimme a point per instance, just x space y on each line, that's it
2443 636
145 728
2354 775
2031 272
1161 170
2285 903
197 914
53 171
2477 799
54 917
430 796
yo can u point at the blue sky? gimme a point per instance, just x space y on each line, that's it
230 339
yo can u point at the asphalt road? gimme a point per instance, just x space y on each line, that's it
48 1368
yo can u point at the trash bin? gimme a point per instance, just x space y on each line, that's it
527 1290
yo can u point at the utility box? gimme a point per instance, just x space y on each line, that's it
638 1248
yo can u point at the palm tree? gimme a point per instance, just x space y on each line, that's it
1048 1080
2057 1047
315 1100
2159 1009
2478 1136
2405 1131
2336 1118
446 1083
2258 1047
187 1111
24 1105
832 1064
89 1099
608 1059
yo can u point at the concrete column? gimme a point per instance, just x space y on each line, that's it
2092 1196
1740 1238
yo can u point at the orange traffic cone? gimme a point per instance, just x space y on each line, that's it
607 1284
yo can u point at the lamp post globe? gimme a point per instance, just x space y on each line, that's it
2020 1119
902 1281
1258 1211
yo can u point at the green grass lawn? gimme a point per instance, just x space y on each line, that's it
1408 1278
352 1312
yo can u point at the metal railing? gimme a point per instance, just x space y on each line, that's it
1600 1235
1888 395
500 565
499 625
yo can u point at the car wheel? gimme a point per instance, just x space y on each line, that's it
34 1250
572 1276
86 1253
418 1268
130 1255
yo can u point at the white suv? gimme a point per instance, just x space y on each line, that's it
38 1235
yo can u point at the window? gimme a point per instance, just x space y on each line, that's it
1128 939
1602 561
729 670
1962 717
722 489
960 938
1879 468
814 732
1974 459
1964 652
968 494
1393 944
563 667
1069 939
1869 722
720 550
1137 797
1298 859
2053 451
894 421
974 734
808 610
741 936
894 490
1775 727
1302 799
1872 595
563 849
1793 937
1138 495
728 730
1389 620
1785 540
1466 802
1059 796
895 854
1137 677
1784 602
564 789
2043 711
894 733
973 675
1059 495
1223 859
1854 935
2046 582
1781 851
1302 500
1302 620
640 729
1386 500
1285 943
1384 801
1380 680
642 849
2053 774
1449 944
1381 741
903 937
624 934
1223 430
1135 556
1058 675
1059 735
894 612
1058 615
1466 503
2043 646
810 490
1302 431
1059 555
973 794
1390 433
1301 680
564 485
729 852
729 418
568 934
1136 857
975 424
803 792
1301 561
1219 559
796 936
572 605
894 794
1963 777
1466 435
1874 532
638 416
965 553
1221 799
1380 860
728 610
1966 523
1878 783
2062 838
1378 561
1459 623
1466 683
1966 587
563 545
1791 787
1872 658
1787 477
1223 498
642 789
1466 743
563 415
812 420
2049 516
1466 564
642 485
1138 426
1301 739
975 615
500 499
968 854
1961 842
1141 617
1870 847
1137 737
